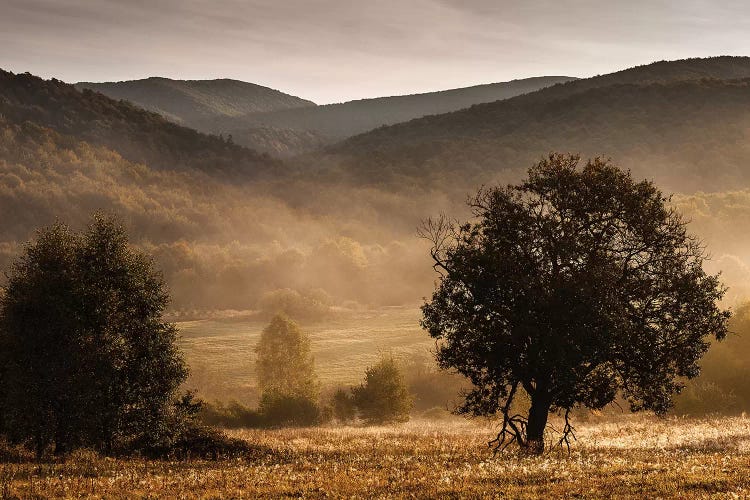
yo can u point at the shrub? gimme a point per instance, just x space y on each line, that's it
284 410
432 387
342 405
202 442
383 397
232 415
704 398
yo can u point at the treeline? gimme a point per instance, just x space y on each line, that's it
88 361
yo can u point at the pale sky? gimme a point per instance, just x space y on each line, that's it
337 50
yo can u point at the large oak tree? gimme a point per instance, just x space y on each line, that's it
574 285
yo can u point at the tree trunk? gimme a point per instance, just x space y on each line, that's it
537 422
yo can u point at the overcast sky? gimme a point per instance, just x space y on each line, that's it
336 50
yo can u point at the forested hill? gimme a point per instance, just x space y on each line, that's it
683 123
189 101
338 121
138 135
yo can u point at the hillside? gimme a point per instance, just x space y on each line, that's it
278 142
139 136
189 101
210 212
338 121
654 119
339 228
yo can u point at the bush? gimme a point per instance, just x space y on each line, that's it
232 415
342 405
437 413
722 386
284 410
432 387
383 397
203 442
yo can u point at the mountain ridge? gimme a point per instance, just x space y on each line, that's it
340 120
588 116
188 101
136 134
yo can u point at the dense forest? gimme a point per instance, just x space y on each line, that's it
137 135
644 122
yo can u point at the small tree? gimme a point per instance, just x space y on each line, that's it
285 363
383 397
571 286
286 374
87 358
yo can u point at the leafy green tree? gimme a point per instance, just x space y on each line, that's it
571 286
87 358
285 364
383 397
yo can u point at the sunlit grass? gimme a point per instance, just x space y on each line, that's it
621 458
343 346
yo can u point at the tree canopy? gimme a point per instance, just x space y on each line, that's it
574 285
86 357
285 364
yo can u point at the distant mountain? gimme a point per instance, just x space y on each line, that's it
334 122
189 102
682 122
138 135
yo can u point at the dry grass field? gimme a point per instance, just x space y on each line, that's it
221 352
630 457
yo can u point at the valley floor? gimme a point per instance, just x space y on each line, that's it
624 458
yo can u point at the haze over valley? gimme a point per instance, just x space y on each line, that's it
337 227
